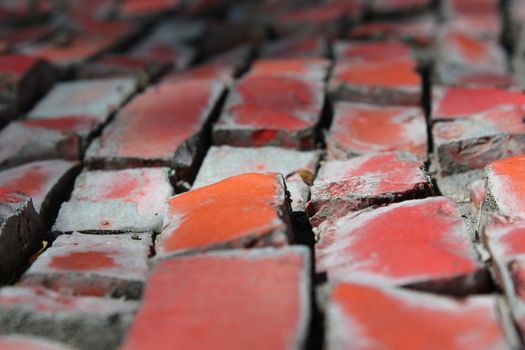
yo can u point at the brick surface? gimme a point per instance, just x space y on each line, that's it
351 185
96 265
300 46
380 246
162 127
263 302
364 128
394 81
298 168
20 342
82 322
357 315
132 200
309 68
271 111
21 233
398 6
211 217
371 51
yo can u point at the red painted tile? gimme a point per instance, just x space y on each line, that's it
242 211
96 265
457 102
257 300
351 185
380 246
301 46
132 200
363 129
20 342
476 141
357 315
271 111
163 126
371 51
382 82
309 68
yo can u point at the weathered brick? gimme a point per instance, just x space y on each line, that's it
115 66
21 342
14 38
483 26
299 46
364 317
298 168
96 265
392 7
457 102
211 217
162 127
132 200
46 182
21 233
82 322
472 77
470 7
263 302
422 244
84 98
308 68
133 9
363 129
393 81
271 111
476 141
371 51
358 183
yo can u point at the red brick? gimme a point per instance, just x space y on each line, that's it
132 200
364 129
257 300
96 265
383 82
271 111
483 26
161 50
423 244
366 317
14 38
115 66
162 127
144 8
17 11
68 319
21 233
21 342
506 187
298 168
211 218
358 183
299 46
308 68
468 77
457 102
371 51
383 7
471 7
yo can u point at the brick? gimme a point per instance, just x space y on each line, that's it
21 233
359 129
371 51
468 77
164 126
258 215
357 314
46 182
471 7
132 200
267 289
483 26
457 102
361 182
21 342
18 12
505 187
379 247
146 8
382 82
474 142
298 168
392 7
84 98
93 265
222 35
120 66
298 46
14 38
271 111
308 68
82 322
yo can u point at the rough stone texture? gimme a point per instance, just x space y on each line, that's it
271 111
364 317
364 129
84 98
82 322
249 210
299 46
261 300
309 68
358 183
423 244
21 233
162 127
132 200
394 82
21 342
95 265
456 102
298 168
457 186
